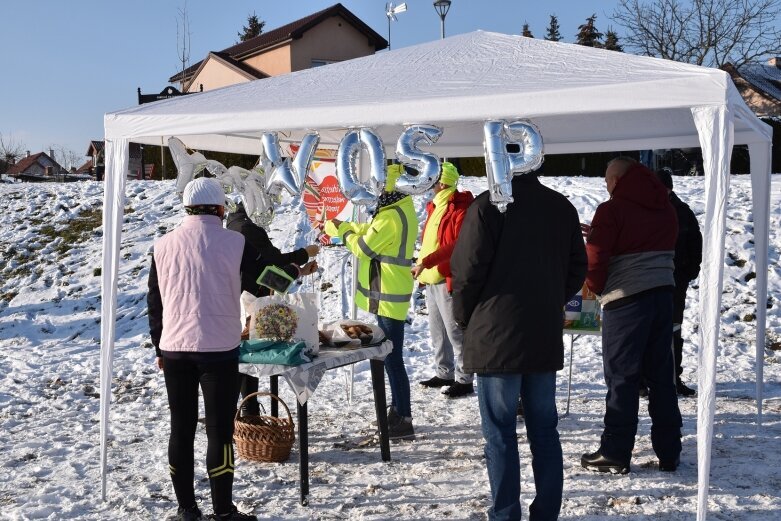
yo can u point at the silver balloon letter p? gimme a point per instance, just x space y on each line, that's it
502 165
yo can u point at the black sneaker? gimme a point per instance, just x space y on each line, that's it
401 429
601 463
643 391
437 382
188 514
458 389
683 390
233 515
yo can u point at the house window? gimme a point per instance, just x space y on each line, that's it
320 63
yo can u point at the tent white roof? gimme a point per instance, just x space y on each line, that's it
582 100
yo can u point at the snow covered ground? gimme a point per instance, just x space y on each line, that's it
50 251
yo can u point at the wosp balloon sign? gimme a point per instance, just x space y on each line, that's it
281 173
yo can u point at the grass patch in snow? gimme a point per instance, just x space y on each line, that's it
75 231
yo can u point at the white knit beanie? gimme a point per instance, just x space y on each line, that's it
203 191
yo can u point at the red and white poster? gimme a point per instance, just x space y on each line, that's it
323 199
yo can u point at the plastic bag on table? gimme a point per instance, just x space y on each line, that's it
291 317
351 334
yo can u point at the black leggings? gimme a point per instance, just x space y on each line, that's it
218 384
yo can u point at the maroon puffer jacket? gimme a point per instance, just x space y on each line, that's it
632 239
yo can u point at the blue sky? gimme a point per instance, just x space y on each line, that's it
66 63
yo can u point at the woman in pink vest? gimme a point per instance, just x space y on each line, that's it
194 311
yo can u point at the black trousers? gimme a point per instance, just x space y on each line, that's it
679 304
636 340
217 380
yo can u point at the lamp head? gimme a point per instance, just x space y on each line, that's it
442 7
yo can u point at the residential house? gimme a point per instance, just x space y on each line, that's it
96 153
331 35
38 167
760 86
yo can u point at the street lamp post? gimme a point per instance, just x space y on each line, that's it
442 7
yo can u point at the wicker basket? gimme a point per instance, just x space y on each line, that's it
263 438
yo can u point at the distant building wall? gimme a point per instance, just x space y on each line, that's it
273 62
332 40
215 75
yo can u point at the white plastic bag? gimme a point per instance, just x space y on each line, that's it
338 337
291 317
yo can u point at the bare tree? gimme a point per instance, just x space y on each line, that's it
703 32
183 39
66 157
10 151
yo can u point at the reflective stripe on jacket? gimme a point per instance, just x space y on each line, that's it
384 249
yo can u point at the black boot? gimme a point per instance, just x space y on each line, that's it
233 515
437 382
683 390
188 514
458 389
601 463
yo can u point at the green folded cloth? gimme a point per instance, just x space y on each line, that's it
272 352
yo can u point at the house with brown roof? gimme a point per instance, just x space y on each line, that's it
38 167
760 86
332 35
96 153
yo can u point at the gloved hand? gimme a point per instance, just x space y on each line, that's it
332 227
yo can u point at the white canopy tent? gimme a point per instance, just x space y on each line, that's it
582 100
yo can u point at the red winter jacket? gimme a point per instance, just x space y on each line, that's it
632 239
447 234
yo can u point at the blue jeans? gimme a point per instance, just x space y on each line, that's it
497 396
394 365
636 343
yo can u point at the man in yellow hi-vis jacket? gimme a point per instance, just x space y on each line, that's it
384 248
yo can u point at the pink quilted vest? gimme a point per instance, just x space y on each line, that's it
198 274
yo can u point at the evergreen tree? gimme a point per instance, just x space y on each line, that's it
253 28
526 31
553 34
588 34
611 41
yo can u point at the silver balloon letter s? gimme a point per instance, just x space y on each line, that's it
361 192
502 165
426 163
